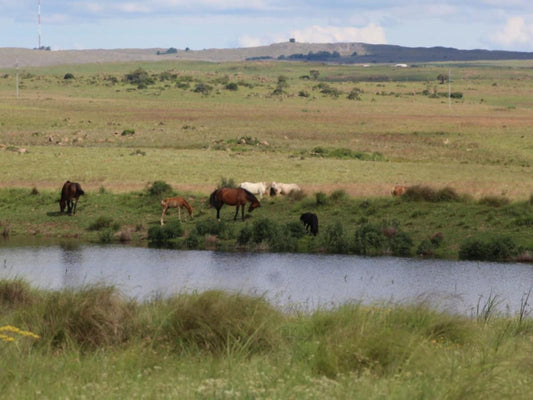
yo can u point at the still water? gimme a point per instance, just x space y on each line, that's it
302 281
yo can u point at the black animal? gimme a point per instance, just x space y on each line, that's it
70 193
310 221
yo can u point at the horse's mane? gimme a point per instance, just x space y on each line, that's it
250 195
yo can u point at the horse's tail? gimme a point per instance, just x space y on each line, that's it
213 199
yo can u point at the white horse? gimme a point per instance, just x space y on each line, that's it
257 188
284 188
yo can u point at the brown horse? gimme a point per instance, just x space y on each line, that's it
233 197
70 193
175 202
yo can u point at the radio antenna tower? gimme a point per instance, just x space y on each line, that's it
39 22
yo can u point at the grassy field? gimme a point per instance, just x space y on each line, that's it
117 128
93 343
189 124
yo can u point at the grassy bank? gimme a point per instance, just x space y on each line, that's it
94 343
424 222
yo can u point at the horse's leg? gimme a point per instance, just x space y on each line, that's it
218 212
69 207
163 215
236 212
179 213
74 206
242 211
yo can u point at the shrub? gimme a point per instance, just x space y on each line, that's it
369 240
295 228
139 77
128 132
338 195
203 88
89 317
221 229
219 323
494 201
226 182
232 86
160 235
321 198
15 292
245 235
425 193
68 76
500 248
263 229
158 188
334 239
101 223
401 244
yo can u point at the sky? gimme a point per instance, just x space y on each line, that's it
206 24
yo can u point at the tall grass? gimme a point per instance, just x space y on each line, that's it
227 345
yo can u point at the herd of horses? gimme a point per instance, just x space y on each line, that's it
238 197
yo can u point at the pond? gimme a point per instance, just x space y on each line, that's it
302 281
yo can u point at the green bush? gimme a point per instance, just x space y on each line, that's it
369 240
90 318
203 88
334 239
263 229
160 235
401 244
159 188
425 193
500 248
245 235
101 223
220 323
494 201
321 198
232 86
139 77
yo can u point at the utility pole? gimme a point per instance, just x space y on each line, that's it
17 65
39 23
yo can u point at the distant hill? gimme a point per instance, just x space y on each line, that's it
331 52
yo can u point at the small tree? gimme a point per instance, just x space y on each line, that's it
442 78
314 73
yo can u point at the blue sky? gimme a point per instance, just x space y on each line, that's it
202 24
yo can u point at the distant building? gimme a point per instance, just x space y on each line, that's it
401 65
292 40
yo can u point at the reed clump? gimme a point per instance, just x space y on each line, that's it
218 322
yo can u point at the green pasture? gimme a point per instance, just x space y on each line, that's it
400 226
116 128
92 342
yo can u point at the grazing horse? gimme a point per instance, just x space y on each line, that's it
398 190
283 188
257 188
233 197
310 221
175 202
70 193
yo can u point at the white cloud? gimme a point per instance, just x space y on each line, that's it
332 34
515 33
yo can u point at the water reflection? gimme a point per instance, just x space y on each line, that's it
304 280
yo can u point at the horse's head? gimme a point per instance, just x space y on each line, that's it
254 205
62 204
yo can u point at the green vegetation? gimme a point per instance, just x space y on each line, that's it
219 345
423 222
